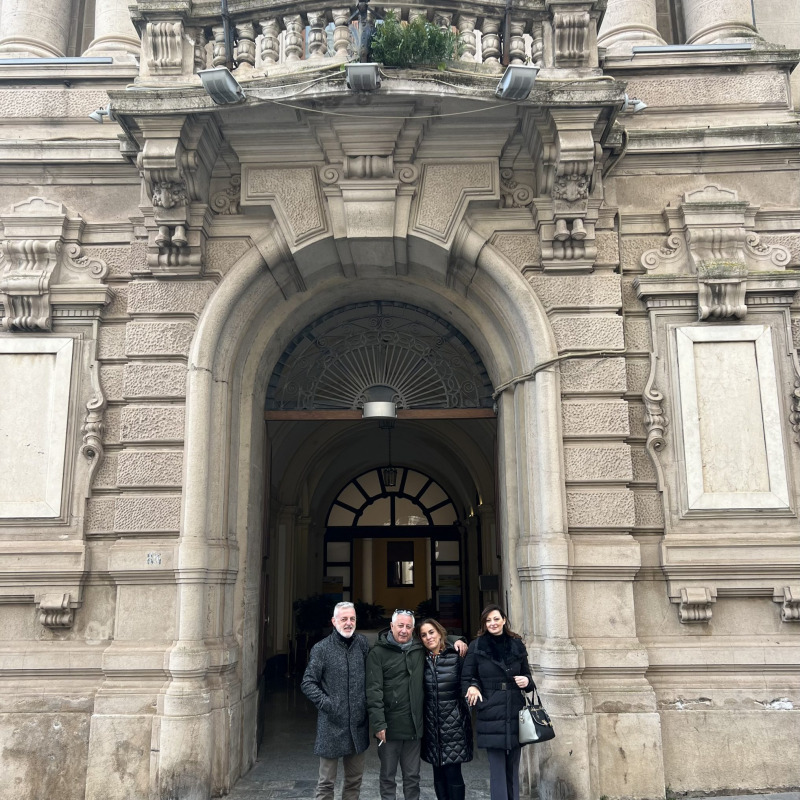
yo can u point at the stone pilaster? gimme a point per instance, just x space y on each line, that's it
628 23
35 28
114 34
712 22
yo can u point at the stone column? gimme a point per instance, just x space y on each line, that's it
114 34
714 22
35 28
628 23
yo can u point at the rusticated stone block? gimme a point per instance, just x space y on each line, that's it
636 420
111 420
100 514
593 376
577 291
604 418
637 334
598 463
139 255
111 342
633 247
522 249
143 468
158 338
147 514
588 333
51 103
649 509
222 254
600 509
630 300
106 475
638 371
153 423
118 259
111 380
796 332
118 304
155 380
169 297
643 469
607 243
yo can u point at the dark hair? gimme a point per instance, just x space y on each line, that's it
506 629
438 627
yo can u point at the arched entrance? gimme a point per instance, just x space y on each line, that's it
245 329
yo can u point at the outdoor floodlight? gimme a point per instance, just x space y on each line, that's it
517 81
362 77
632 105
221 86
102 114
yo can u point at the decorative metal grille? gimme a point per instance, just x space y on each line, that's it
336 361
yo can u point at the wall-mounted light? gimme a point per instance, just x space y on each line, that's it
379 409
103 114
632 105
362 77
517 81
221 86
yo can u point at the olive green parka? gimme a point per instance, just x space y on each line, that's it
394 688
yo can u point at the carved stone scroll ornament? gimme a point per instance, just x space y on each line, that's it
55 610
794 417
514 194
655 420
694 604
227 201
789 597
93 428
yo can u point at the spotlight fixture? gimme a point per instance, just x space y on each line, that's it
102 114
362 77
221 86
517 81
632 105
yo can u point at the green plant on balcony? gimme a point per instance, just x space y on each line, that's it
418 43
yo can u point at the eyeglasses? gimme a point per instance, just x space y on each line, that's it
404 611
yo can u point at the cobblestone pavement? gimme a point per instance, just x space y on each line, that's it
287 767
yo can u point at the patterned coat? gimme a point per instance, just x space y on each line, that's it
335 682
448 729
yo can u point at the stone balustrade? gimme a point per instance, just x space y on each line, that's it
284 35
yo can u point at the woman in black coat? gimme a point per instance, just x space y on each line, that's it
447 738
495 669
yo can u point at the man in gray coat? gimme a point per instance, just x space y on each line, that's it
334 681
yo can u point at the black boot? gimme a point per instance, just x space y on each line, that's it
441 789
457 792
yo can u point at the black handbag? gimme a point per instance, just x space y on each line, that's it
534 723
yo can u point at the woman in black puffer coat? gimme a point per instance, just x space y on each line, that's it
447 738
495 669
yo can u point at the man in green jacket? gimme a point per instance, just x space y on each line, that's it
394 701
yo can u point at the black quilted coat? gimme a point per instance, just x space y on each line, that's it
448 730
498 714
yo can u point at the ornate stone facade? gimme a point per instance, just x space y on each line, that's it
587 317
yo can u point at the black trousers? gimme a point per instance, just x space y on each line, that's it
504 773
449 774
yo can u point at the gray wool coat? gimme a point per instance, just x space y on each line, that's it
334 681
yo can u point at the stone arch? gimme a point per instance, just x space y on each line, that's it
243 330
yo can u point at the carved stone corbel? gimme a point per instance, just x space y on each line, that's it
56 610
40 247
789 597
568 184
721 290
694 604
175 164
